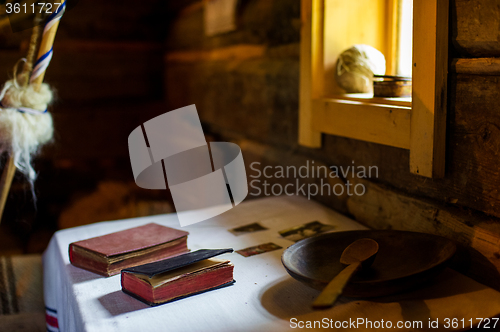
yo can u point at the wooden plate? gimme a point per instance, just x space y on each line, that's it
404 260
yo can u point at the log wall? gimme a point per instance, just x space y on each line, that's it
252 98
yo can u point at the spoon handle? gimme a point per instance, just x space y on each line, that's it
335 287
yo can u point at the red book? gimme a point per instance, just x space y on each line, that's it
107 255
178 277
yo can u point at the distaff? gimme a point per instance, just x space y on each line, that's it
24 121
45 51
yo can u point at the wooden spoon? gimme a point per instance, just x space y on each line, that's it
360 253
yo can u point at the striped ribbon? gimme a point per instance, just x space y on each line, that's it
30 110
43 62
25 109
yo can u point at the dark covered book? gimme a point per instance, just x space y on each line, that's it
109 254
178 277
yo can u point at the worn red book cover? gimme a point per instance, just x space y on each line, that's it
178 277
107 255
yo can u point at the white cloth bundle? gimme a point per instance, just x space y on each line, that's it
356 67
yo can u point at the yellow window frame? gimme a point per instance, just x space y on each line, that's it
418 125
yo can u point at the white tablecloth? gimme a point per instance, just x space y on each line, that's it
78 300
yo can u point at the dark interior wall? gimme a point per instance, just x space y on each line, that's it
252 97
107 71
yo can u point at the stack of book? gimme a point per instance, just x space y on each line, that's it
155 264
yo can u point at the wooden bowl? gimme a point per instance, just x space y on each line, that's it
404 260
391 86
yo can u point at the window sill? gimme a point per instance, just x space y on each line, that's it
378 120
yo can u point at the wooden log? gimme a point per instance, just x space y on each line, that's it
474 27
107 47
106 70
260 98
117 20
382 208
477 66
259 156
235 52
110 124
270 22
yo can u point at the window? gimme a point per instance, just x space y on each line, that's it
404 42
417 124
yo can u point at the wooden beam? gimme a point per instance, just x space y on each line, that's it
478 66
259 156
383 124
311 69
474 28
430 62
235 52
98 46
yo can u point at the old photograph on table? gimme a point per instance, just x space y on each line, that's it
301 232
246 229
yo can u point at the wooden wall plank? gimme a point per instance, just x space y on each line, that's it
474 28
228 53
270 22
83 132
258 156
476 66
88 71
118 20
254 98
